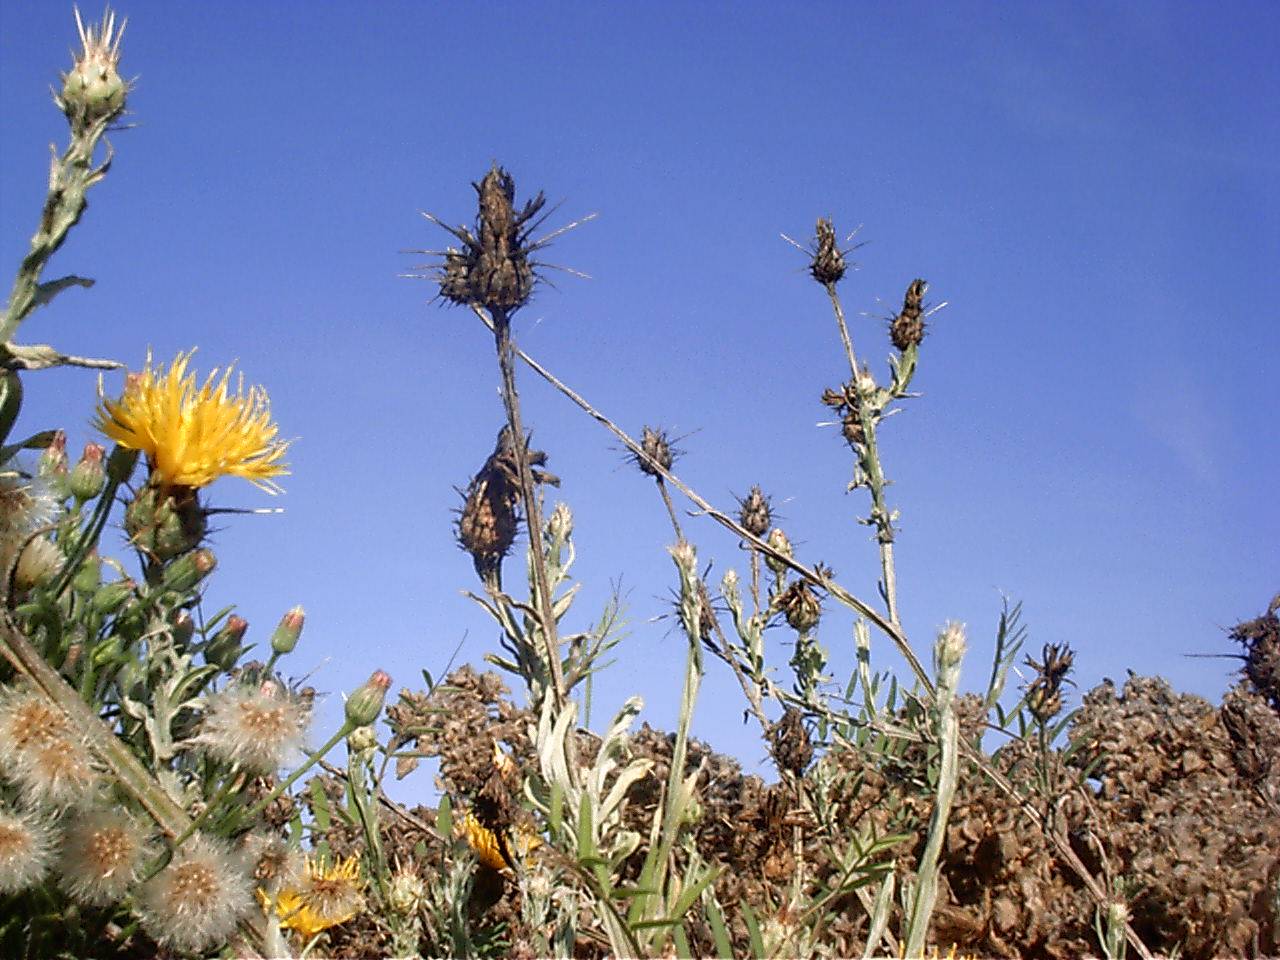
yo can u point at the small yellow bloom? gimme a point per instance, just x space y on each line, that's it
489 850
194 434
327 897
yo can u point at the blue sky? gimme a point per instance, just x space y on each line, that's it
1091 187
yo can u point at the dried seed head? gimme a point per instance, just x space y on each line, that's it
755 512
27 720
407 891
789 742
100 857
26 847
326 897
275 863
907 328
38 563
261 727
828 265
195 902
846 402
56 772
1044 693
1260 638
657 449
800 605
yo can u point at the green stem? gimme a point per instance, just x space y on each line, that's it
311 761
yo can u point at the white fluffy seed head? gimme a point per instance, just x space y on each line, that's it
262 728
194 903
102 851
26 849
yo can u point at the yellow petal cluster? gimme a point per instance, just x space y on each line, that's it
191 434
327 897
488 850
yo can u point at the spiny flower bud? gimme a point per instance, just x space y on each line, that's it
907 328
828 264
779 542
755 512
657 451
789 742
407 892
800 605
89 475
948 651
165 523
363 706
109 597
287 632
225 649
93 89
53 461
187 571
560 525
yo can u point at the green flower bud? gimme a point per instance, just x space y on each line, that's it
286 634
93 89
89 576
779 541
224 649
183 629
54 459
108 598
365 704
89 477
188 570
362 738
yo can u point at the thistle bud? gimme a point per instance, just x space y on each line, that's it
907 328
828 264
779 542
89 477
361 739
948 651
560 526
108 598
225 647
183 629
657 452
287 632
89 575
755 513
187 571
53 462
364 705
93 89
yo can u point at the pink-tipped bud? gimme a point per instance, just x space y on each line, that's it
90 475
365 704
287 632
183 574
53 462
224 649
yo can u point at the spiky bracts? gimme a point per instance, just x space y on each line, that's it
1260 638
907 328
490 514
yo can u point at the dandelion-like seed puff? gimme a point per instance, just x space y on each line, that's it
327 897
193 434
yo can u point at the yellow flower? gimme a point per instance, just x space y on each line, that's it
193 435
489 850
327 897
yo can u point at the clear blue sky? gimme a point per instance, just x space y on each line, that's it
1092 187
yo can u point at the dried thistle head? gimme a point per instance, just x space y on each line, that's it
828 264
845 401
656 444
907 328
1044 693
789 742
490 518
800 605
1260 638
755 512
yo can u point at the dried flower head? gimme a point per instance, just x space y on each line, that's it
800 605
27 503
192 435
326 897
907 328
828 264
656 444
489 518
56 772
195 902
755 512
100 857
27 720
39 561
846 402
276 864
93 89
1260 638
26 848
261 727
789 742
1044 694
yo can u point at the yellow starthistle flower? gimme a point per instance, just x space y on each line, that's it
328 896
491 851
191 434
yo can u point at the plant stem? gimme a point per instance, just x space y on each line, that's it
671 510
312 759
844 329
501 326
